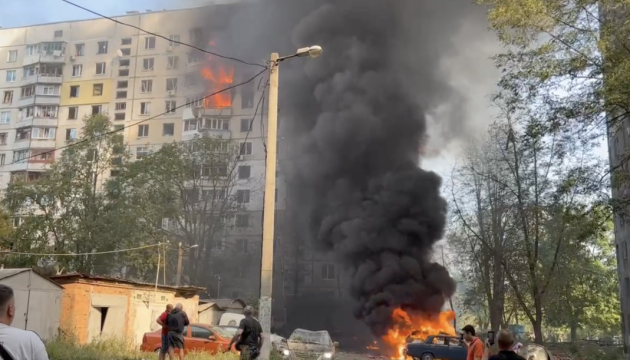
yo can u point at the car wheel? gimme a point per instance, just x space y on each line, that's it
427 356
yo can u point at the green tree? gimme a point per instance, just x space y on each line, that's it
80 206
203 199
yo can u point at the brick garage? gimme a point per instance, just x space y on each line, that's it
94 307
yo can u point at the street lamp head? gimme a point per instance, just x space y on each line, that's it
312 51
194 246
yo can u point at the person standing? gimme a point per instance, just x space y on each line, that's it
162 321
476 348
248 338
176 321
505 340
17 344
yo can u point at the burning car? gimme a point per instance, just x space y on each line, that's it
437 347
310 345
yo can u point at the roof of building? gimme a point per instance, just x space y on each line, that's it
224 303
7 273
77 277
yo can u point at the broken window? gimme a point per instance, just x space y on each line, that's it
74 91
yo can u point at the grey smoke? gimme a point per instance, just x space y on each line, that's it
356 119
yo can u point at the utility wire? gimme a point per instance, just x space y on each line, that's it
140 122
83 254
163 37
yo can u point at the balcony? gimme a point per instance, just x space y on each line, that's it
42 144
42 79
55 57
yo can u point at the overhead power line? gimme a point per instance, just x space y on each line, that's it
83 254
163 37
138 122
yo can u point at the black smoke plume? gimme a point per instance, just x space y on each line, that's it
356 119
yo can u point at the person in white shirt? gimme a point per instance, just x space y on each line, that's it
19 344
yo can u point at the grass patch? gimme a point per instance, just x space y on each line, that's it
65 349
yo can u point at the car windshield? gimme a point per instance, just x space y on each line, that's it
313 337
226 332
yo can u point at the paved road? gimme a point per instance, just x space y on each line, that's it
355 356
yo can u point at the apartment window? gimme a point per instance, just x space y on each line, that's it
242 220
244 172
8 97
58 33
47 111
246 125
124 62
122 84
173 62
168 129
3 138
20 155
241 245
246 148
149 42
194 57
173 40
3 159
100 68
121 94
50 90
125 52
28 91
190 125
195 101
195 34
30 71
11 75
143 131
102 47
119 116
97 109
123 72
97 89
145 108
73 113
191 80
71 134
79 49
216 124
43 133
147 86
74 91
142 152
22 134
217 244
5 117
121 106
77 70
147 64
242 196
125 41
171 84
171 106
12 56
328 272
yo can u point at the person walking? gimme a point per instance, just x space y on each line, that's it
476 348
161 320
17 344
248 337
505 340
176 321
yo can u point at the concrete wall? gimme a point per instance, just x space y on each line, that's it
39 309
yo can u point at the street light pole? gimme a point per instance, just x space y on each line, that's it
269 209
180 260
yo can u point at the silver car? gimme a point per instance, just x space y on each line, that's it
310 345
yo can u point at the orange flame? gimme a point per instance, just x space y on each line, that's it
218 77
416 327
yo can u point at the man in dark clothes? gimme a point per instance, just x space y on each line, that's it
248 338
176 321
505 340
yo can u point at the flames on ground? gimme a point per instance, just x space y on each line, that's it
417 326
219 76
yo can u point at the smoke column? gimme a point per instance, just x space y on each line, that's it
357 117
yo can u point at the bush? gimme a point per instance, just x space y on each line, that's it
64 349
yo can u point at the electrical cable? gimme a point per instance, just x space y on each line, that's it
163 37
4 252
139 122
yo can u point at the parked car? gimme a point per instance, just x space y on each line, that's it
437 347
197 337
310 345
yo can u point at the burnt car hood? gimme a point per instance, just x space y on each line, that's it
299 346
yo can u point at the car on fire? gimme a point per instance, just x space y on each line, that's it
437 347
310 345
197 337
